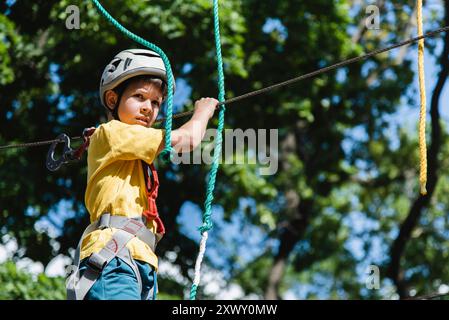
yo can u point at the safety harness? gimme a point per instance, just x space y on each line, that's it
127 228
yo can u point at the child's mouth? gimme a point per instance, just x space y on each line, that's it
143 121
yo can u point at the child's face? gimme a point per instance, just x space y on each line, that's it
139 104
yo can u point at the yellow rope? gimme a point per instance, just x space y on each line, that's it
422 94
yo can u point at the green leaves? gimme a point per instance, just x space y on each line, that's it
9 39
20 285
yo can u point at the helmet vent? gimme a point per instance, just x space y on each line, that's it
116 63
127 63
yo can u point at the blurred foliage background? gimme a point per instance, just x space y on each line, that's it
345 195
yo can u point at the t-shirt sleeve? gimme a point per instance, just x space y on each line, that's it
115 140
132 142
120 141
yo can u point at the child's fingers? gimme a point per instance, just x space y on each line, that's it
207 101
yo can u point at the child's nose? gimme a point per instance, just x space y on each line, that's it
146 107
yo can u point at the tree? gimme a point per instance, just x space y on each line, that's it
336 154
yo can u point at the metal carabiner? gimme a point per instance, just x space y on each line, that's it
54 164
68 154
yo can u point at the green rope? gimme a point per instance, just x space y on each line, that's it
167 153
207 223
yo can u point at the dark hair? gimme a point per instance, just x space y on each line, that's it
120 89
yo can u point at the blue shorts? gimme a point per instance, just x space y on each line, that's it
119 282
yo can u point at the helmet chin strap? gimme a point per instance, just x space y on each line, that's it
115 113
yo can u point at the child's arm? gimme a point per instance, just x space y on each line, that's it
190 135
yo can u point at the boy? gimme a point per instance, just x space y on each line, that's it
117 249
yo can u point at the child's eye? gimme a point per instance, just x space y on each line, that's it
155 103
139 96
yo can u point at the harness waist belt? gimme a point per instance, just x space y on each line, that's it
132 225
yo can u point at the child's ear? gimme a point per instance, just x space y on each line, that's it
111 99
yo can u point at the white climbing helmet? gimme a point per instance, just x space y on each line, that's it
131 63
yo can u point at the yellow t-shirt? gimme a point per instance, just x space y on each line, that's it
116 182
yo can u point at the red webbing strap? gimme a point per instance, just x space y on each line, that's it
86 137
152 190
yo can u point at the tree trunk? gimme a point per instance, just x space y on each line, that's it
292 230
291 234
